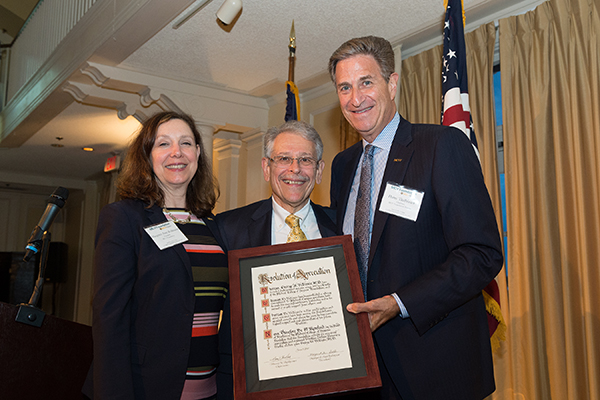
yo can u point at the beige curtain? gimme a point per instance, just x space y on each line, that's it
420 101
348 135
421 87
551 108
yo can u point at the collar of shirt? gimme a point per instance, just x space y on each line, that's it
308 223
386 137
280 214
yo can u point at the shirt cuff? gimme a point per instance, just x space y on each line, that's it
403 310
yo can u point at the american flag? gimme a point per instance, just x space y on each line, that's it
455 99
456 112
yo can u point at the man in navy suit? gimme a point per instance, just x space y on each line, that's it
427 230
292 165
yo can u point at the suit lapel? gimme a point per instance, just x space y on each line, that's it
395 170
212 226
347 179
259 231
327 227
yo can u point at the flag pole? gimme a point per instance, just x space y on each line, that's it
292 57
292 108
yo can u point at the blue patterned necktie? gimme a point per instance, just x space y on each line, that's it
362 216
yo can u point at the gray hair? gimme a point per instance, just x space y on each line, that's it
377 47
297 127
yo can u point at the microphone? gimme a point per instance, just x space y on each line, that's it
55 202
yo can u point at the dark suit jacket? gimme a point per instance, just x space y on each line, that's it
437 265
143 307
244 227
250 226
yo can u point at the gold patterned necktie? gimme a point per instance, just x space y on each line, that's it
296 234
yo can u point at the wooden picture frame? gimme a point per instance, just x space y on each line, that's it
255 271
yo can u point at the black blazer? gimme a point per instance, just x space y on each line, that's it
143 307
250 226
437 265
244 227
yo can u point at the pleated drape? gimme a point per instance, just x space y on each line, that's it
549 60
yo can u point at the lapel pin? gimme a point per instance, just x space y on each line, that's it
397 159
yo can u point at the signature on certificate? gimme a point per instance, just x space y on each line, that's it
324 355
282 361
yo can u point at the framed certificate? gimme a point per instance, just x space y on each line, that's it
291 334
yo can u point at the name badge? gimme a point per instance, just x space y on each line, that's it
165 234
401 201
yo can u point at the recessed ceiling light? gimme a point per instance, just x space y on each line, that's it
88 149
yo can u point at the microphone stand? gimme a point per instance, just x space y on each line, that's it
28 313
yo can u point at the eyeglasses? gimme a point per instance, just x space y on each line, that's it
285 161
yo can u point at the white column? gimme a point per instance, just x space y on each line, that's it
226 153
256 187
207 132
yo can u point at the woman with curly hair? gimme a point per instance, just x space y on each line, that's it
157 299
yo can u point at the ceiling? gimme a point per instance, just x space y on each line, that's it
248 56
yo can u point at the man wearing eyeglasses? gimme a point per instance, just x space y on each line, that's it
292 165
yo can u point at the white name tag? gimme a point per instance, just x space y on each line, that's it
165 234
401 201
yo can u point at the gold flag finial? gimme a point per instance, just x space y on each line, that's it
292 57
292 44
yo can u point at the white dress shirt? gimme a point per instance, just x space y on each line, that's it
382 144
280 230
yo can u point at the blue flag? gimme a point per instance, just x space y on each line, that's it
292 108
